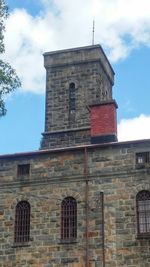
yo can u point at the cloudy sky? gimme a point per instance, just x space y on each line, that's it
122 27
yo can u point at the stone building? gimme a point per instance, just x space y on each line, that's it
83 199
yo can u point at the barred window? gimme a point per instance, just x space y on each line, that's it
22 222
23 169
142 157
69 219
143 212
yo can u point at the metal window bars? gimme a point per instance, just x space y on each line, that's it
69 219
142 157
22 222
23 169
143 212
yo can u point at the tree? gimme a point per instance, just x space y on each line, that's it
9 80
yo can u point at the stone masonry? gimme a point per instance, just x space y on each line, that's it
111 169
102 175
86 67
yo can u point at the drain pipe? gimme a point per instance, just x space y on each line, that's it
86 204
103 230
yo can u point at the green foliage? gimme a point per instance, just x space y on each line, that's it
9 80
3 16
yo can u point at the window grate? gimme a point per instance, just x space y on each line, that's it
68 219
142 158
23 169
143 212
22 222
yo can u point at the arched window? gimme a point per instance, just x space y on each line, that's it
143 212
72 99
22 222
69 219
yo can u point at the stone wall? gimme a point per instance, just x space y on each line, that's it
66 138
54 175
89 69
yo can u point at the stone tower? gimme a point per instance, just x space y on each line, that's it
78 82
83 206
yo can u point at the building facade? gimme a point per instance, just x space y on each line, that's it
83 199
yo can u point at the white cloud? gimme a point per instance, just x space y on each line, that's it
26 39
134 129
121 26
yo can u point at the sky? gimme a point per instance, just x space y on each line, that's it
122 27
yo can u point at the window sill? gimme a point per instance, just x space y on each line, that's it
143 236
68 241
23 244
142 165
23 176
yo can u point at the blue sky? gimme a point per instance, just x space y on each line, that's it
33 27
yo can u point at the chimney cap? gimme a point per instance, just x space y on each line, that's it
105 102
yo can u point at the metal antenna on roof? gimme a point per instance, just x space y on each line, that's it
93 31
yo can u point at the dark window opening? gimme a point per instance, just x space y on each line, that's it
143 213
23 169
72 98
69 219
22 222
142 158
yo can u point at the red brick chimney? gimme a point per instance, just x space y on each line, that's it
103 122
